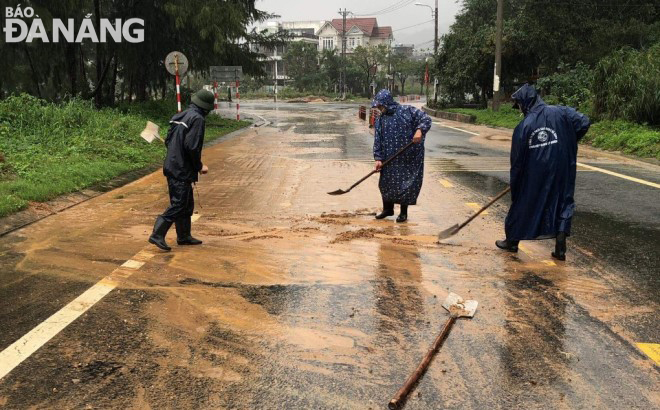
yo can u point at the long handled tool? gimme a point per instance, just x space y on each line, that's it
454 229
457 307
342 192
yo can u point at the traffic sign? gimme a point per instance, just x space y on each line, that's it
175 60
226 73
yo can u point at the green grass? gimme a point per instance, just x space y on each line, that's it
627 137
54 149
506 117
617 135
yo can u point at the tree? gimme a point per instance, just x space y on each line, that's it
302 64
209 32
402 69
368 59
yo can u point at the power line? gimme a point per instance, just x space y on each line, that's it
415 25
394 7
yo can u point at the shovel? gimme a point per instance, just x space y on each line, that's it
150 133
342 192
457 307
447 233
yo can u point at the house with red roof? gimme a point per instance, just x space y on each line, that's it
359 32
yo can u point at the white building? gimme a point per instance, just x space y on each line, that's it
304 31
359 32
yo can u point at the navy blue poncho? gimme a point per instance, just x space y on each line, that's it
543 166
400 180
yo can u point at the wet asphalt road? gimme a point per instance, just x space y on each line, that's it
280 310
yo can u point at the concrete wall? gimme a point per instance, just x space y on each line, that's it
453 116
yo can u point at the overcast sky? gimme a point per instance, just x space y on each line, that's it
413 22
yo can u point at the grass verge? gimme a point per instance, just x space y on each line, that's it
618 135
506 117
47 150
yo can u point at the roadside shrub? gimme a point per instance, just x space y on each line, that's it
570 86
627 86
625 136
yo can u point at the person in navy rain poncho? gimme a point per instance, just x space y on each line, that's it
543 166
401 179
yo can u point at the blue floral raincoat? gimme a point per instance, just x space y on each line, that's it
401 179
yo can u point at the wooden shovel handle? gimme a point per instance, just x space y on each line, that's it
384 163
497 198
400 396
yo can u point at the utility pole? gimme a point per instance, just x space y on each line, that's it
435 45
342 76
498 57
390 75
275 72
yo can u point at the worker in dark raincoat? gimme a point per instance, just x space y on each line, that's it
543 167
183 164
401 179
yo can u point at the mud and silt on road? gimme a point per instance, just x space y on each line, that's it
299 299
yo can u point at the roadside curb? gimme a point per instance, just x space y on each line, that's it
453 116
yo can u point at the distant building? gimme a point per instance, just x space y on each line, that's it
304 31
404 49
359 32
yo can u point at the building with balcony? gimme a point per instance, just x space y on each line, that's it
359 32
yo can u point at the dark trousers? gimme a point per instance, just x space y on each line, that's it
182 202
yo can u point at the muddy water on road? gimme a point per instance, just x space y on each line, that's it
298 299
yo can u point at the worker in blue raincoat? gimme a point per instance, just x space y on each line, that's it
543 166
401 179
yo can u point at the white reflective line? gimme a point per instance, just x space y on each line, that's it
179 122
21 349
131 264
24 347
616 174
454 128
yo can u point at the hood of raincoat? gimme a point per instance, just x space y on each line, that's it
526 98
384 98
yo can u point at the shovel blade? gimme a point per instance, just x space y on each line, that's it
337 192
448 233
459 306
150 132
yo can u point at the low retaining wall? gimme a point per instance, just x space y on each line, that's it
453 116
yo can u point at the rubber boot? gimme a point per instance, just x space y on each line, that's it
560 247
388 210
507 245
403 215
183 236
158 235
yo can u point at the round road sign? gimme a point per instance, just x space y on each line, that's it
174 59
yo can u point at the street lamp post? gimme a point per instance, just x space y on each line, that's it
434 14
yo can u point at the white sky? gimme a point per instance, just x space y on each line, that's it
420 31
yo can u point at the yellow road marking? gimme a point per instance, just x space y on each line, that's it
476 207
195 217
549 262
652 350
132 264
616 174
524 249
446 183
23 348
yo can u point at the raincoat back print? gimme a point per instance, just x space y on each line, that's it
400 180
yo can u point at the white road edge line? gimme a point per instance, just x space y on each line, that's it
454 128
24 347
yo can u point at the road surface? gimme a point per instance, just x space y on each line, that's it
298 299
